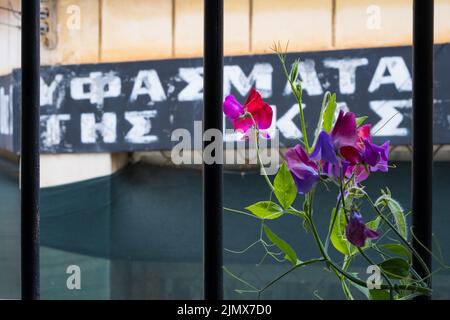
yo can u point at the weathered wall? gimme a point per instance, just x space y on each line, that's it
9 37
79 41
92 31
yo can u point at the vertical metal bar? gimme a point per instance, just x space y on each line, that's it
212 173
422 162
29 153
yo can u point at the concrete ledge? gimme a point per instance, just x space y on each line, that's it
58 169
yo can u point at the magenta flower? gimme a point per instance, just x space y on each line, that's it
232 108
303 169
344 130
254 112
353 153
357 232
359 172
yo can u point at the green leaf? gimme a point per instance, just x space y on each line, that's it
374 224
294 71
319 126
284 186
337 237
360 120
296 212
282 245
379 294
298 90
396 268
328 114
397 249
266 210
399 216
396 210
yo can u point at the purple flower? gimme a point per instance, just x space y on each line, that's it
382 163
357 232
324 149
344 134
373 158
335 170
372 153
328 146
232 108
303 169
365 157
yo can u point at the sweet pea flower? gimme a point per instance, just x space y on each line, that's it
357 232
304 171
353 153
232 108
365 156
343 134
375 158
325 149
328 146
334 170
254 112
344 130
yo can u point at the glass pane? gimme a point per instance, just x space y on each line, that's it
121 209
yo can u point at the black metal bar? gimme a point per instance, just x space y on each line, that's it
212 173
29 153
422 162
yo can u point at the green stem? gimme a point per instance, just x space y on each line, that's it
344 285
241 212
341 186
325 99
301 264
351 277
299 101
391 285
419 258
260 161
330 229
319 243
338 204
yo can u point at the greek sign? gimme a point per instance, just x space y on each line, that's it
135 106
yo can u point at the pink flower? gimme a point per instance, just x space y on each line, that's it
254 112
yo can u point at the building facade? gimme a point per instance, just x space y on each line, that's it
118 70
